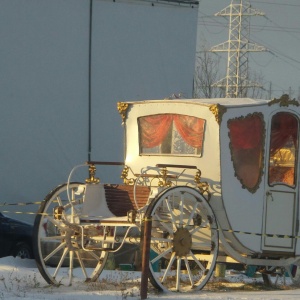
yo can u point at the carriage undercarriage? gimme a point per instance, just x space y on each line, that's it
184 235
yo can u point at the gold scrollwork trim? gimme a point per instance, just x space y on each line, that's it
218 110
284 100
122 108
124 176
203 186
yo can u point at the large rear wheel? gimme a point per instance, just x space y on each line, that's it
58 239
184 240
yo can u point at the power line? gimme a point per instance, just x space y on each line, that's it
292 35
275 3
278 53
276 28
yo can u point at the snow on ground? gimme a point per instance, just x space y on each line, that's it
20 279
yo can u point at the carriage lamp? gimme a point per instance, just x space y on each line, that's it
124 175
92 173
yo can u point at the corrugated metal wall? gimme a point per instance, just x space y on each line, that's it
139 51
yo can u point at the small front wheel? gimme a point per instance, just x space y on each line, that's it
58 240
184 240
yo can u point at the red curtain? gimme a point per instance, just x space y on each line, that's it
154 128
190 129
284 128
246 133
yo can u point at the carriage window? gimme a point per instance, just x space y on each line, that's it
171 134
283 149
247 144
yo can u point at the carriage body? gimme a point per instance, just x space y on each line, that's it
236 160
218 178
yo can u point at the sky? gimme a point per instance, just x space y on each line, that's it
278 31
20 279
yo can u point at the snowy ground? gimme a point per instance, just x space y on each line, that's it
20 279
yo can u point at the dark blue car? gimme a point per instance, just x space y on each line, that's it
15 238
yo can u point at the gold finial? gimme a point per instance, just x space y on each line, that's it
92 173
284 100
122 108
218 110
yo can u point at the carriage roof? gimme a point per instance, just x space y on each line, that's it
227 102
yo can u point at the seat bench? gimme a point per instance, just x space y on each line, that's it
120 198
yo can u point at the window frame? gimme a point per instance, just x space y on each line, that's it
171 131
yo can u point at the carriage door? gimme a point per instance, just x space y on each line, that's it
282 184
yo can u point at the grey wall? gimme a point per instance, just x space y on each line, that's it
139 52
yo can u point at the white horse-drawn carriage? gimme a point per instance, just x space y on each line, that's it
218 178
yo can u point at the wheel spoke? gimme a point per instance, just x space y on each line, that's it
168 267
71 266
192 214
61 262
197 228
94 255
163 223
178 272
197 261
52 253
181 209
163 254
57 223
81 264
171 212
52 238
58 200
202 245
162 240
189 271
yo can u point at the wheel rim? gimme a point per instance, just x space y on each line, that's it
184 240
23 252
58 241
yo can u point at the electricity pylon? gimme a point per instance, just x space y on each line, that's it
238 46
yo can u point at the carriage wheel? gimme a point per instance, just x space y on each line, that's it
57 240
294 273
184 240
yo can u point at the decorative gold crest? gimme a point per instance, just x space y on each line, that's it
284 100
218 110
122 108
